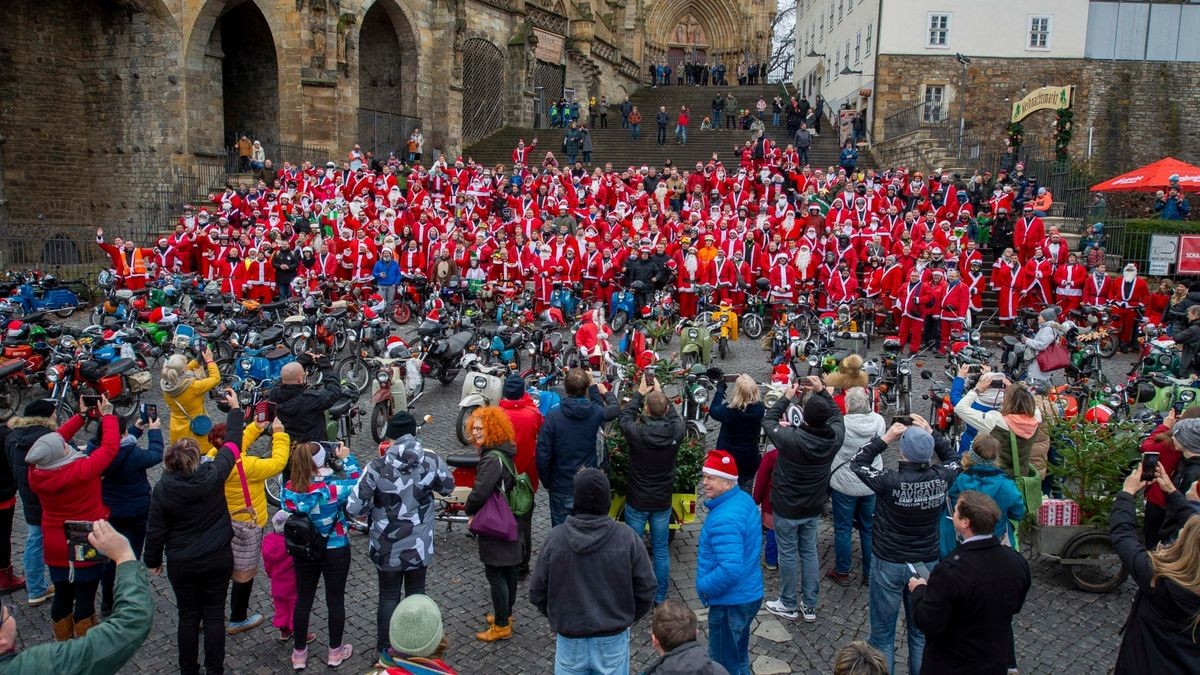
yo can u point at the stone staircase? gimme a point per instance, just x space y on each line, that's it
617 146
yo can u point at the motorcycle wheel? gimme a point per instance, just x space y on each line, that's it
10 399
723 348
225 368
805 330
1108 346
125 406
380 415
446 376
273 486
619 320
401 313
65 312
460 429
354 370
65 410
687 360
222 350
752 326
692 431
96 316
301 344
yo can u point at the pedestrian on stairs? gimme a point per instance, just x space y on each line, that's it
718 107
681 125
634 120
731 110
604 112
662 118
626 109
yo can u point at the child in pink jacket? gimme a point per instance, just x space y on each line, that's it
278 565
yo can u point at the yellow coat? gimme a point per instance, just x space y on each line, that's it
192 403
258 470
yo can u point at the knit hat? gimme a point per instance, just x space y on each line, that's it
514 388
817 411
416 626
50 451
278 520
720 464
1187 432
916 445
42 407
1050 313
592 493
400 424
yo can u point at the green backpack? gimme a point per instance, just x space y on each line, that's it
520 498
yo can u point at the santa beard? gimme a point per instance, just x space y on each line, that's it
1129 277
803 261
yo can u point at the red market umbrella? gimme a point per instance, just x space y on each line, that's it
1154 177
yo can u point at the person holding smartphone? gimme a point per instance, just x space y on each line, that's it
67 483
184 384
1017 422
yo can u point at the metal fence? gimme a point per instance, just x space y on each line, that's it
920 116
382 132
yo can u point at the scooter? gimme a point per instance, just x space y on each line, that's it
621 309
398 385
482 385
695 393
45 295
444 357
695 343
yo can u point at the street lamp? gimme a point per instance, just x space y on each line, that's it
964 61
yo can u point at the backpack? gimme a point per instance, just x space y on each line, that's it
302 538
520 497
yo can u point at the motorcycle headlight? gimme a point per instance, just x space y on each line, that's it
351 336
1187 395
700 395
52 375
813 361
693 333
245 364
479 382
306 331
904 370
383 376
1114 403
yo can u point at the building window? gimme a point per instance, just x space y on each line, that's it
821 30
870 27
839 5
1039 32
837 63
934 109
847 53
831 15
858 48
849 6
939 30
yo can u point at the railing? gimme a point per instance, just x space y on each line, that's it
383 132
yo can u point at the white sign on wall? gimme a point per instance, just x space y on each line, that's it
1163 250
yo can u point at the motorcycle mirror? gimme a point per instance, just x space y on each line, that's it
926 375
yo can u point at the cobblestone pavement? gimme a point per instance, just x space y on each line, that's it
1061 629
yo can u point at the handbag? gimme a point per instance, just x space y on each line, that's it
1052 358
199 425
247 535
495 520
520 497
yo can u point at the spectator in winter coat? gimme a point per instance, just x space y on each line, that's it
125 490
653 440
37 421
1189 339
9 580
908 506
741 423
728 574
396 494
184 385
387 275
799 485
966 607
1159 634
980 474
567 439
277 565
1185 436
1162 441
592 580
527 424
1018 419
302 408
67 484
674 634
189 524
853 502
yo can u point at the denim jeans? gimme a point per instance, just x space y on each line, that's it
562 504
592 655
681 133
889 585
775 119
660 522
729 635
716 118
798 538
637 131
770 548
851 513
36 582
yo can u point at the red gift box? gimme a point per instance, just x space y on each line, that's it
1058 513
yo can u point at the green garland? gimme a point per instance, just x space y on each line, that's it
1062 134
688 462
1016 136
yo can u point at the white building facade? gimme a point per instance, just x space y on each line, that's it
836 43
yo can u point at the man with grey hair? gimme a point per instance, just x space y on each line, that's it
853 502
397 490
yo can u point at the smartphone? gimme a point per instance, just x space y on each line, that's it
142 413
151 412
78 546
975 368
906 420
731 378
264 412
91 401
1149 464
648 376
919 570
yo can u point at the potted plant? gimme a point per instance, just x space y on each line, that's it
688 463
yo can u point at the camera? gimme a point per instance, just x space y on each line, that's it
906 420
332 461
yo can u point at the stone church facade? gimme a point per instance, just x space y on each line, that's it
106 103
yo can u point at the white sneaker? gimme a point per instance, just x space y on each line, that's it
810 613
779 609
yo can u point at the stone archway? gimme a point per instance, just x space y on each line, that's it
249 75
483 89
387 78
714 26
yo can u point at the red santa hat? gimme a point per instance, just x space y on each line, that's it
720 464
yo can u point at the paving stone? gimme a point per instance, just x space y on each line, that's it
772 630
766 665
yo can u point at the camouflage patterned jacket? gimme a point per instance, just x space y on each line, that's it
397 490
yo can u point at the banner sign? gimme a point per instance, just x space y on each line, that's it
1189 254
1043 98
1164 250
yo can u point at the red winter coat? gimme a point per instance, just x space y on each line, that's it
72 491
527 422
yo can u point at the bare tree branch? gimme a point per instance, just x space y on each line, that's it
783 45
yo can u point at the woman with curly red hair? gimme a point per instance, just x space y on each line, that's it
492 435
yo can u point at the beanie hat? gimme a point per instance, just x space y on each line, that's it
42 407
279 519
416 626
1187 432
592 493
400 424
514 388
50 451
817 411
720 464
916 445
1050 313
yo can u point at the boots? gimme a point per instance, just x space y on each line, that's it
84 625
494 633
64 629
10 581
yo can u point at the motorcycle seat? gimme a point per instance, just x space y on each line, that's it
463 461
891 343
341 408
271 335
217 308
271 306
14 342
429 328
10 367
120 366
277 352
459 341
556 342
337 312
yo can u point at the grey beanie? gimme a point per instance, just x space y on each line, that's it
916 445
50 451
1187 432
1050 313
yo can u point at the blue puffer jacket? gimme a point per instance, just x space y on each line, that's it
386 272
125 488
992 482
728 571
958 388
567 440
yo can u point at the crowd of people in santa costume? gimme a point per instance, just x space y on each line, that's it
914 244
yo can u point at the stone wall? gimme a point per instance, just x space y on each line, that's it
1139 111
